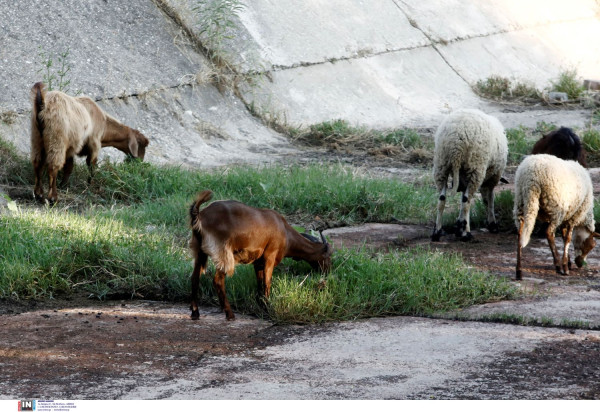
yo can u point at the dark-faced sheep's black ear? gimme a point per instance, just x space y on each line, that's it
504 180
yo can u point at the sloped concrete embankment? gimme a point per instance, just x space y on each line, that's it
141 67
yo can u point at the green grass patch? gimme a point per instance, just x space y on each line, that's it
127 238
498 87
339 133
569 83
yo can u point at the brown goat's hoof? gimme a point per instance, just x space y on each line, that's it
230 317
195 314
518 276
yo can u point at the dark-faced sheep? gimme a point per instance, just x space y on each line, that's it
231 233
63 126
563 143
471 147
559 192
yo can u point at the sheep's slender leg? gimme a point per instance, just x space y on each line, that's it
487 194
437 230
567 233
519 249
552 244
67 170
463 225
219 284
199 268
38 168
53 193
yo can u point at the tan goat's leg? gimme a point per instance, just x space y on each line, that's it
38 169
53 193
67 170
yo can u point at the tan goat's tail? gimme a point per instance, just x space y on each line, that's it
38 94
202 197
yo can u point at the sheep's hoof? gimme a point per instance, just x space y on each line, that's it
466 238
460 226
493 227
436 235
195 314
518 275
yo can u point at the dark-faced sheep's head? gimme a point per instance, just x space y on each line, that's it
583 243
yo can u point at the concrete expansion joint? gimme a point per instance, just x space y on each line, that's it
121 96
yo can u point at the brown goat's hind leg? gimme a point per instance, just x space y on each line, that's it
259 269
199 267
219 284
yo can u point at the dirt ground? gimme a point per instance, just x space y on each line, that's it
83 349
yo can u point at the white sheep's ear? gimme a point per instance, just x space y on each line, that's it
133 145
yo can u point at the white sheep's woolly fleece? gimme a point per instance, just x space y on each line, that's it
561 189
473 140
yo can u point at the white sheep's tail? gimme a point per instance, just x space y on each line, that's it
455 179
528 214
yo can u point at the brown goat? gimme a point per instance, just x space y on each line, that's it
562 143
63 126
231 232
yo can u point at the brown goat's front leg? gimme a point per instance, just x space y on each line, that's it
67 170
552 244
519 250
199 267
219 284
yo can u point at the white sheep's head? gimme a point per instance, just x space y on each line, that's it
583 243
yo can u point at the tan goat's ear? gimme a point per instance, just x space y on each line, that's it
133 145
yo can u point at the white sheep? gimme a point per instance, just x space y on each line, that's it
559 192
471 147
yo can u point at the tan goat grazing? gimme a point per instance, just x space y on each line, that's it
63 126
231 232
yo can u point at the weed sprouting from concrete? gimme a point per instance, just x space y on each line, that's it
56 77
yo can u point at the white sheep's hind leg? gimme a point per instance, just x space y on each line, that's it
437 230
463 224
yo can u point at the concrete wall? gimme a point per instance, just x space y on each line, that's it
381 63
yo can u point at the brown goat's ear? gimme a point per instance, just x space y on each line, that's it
596 235
133 145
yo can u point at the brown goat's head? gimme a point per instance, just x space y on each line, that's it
323 259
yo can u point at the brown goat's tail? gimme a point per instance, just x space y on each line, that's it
38 94
202 197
